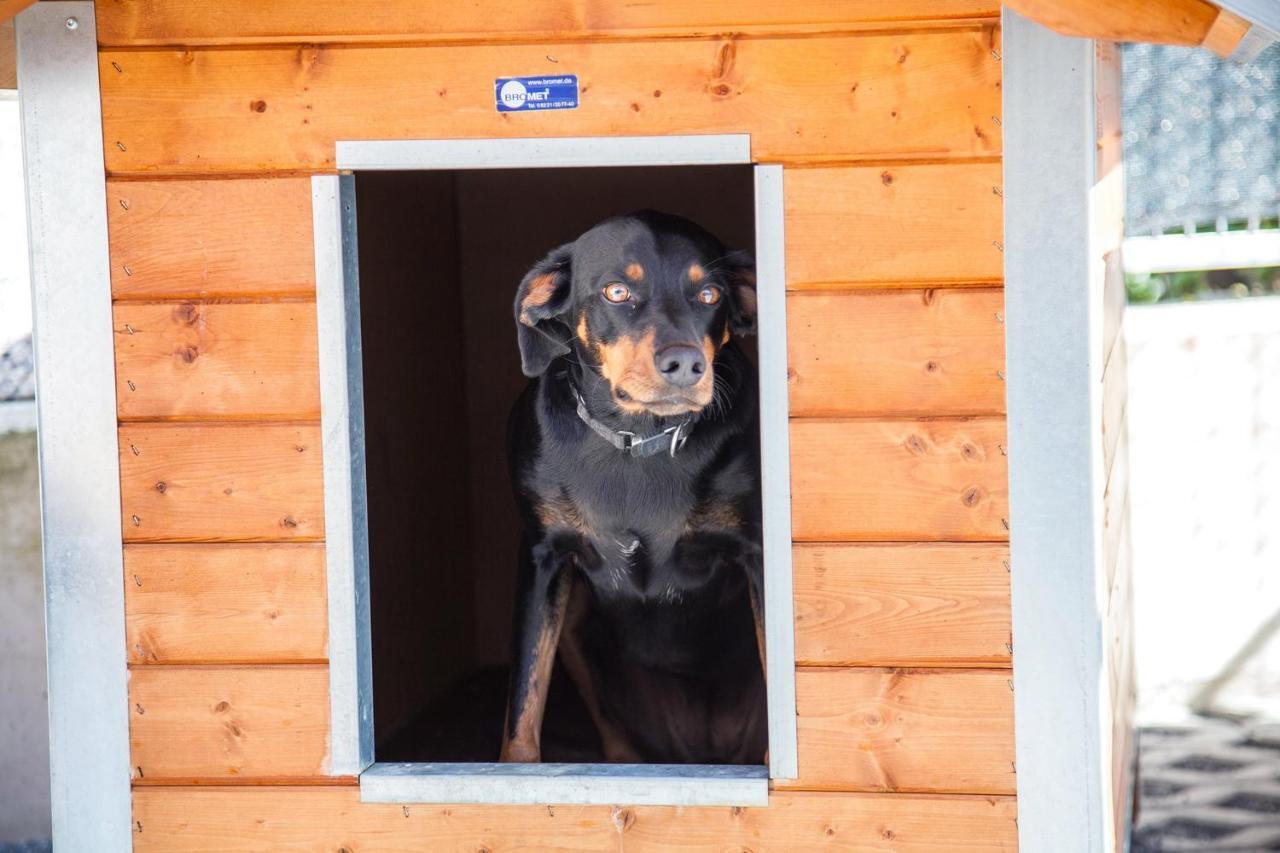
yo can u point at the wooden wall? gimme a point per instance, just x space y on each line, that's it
887 117
1120 688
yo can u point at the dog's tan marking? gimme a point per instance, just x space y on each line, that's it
540 291
714 515
628 365
696 273
582 329
757 613
634 271
523 741
561 511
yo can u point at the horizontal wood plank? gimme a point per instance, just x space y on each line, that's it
860 729
204 820
914 352
196 22
209 361
899 480
905 730
902 604
887 225
243 722
225 603
221 482
203 239
921 95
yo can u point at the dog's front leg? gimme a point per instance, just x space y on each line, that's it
540 611
753 565
617 748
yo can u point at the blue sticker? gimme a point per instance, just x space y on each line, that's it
521 94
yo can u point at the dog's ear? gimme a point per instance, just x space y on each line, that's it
740 277
542 304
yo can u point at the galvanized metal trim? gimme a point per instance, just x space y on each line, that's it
1255 41
346 527
79 465
342 428
1054 355
556 784
775 472
580 151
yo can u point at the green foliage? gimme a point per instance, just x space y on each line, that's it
1146 288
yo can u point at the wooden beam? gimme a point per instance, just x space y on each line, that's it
10 8
1225 33
1180 22
8 57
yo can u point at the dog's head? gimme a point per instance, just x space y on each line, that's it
645 299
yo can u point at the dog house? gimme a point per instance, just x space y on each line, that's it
268 241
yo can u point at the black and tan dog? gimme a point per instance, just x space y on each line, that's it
634 453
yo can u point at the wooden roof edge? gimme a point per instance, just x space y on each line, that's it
1239 29
10 8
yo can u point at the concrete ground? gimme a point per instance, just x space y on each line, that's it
1211 785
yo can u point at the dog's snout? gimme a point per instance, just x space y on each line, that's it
680 364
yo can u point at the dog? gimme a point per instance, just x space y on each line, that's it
634 456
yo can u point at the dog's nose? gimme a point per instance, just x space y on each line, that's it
680 364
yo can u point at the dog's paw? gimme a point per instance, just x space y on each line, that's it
618 751
520 753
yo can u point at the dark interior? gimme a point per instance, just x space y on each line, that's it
440 255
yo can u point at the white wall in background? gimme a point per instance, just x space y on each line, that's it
1204 432
15 287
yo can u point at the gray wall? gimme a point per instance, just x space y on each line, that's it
24 729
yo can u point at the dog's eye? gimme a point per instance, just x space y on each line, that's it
617 293
709 295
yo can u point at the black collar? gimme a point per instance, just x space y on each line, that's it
671 439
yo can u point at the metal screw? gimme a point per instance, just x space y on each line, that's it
73 24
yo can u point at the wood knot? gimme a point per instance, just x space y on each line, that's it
721 90
736 811
657 93
903 53
222 707
187 354
233 729
635 108
623 819
872 720
273 614
828 831
916 445
258 106
968 451
186 313
161 487
725 58
971 497
289 522
886 178
928 295
932 366
888 835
